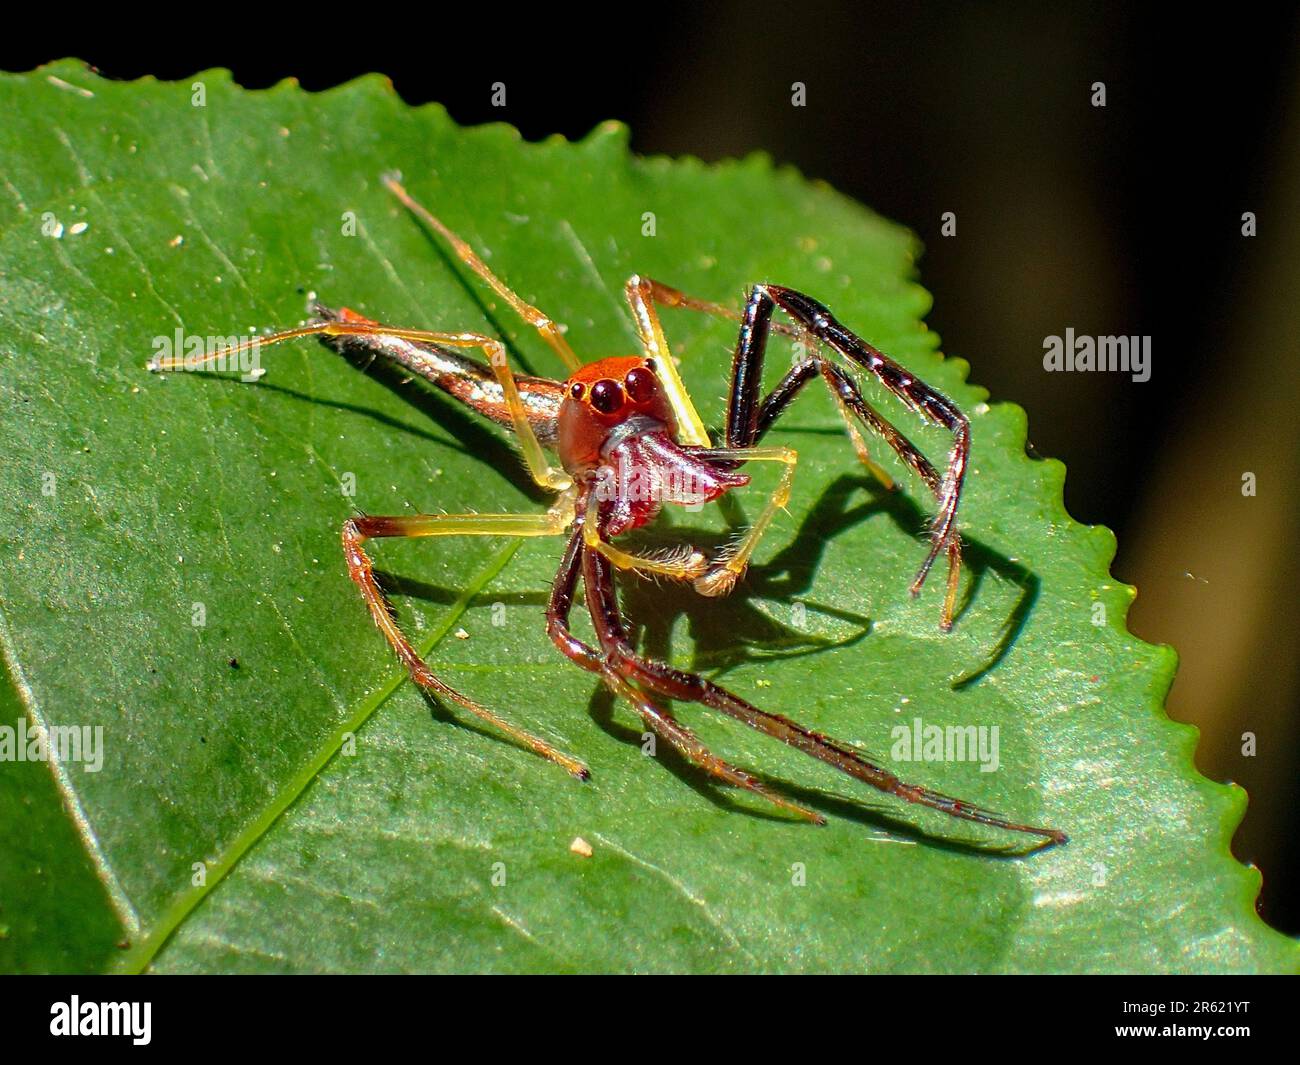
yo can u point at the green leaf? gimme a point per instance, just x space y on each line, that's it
228 830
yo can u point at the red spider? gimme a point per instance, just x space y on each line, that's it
628 440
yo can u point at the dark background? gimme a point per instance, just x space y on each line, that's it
1117 220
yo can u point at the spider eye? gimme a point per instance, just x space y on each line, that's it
606 396
576 390
640 384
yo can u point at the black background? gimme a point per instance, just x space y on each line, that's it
1115 220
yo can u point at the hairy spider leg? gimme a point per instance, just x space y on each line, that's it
664 680
356 531
656 718
748 418
745 413
724 572
849 397
860 445
643 295
549 330
352 325
917 395
686 566
667 296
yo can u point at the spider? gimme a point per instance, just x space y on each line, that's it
628 440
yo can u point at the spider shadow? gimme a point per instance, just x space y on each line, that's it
726 631
831 804
466 433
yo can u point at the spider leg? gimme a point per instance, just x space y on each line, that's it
645 293
356 531
775 403
665 680
550 331
350 324
685 566
855 437
656 718
851 403
640 295
849 398
651 291
748 419
923 399
665 725
723 574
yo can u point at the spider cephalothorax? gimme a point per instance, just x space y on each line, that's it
617 433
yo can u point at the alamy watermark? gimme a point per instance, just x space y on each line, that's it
685 485
919 742
58 743
181 352
1080 354
77 1018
